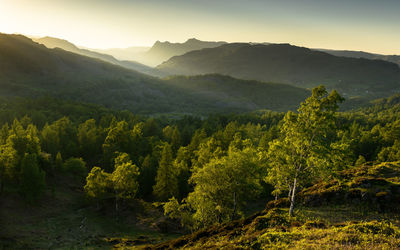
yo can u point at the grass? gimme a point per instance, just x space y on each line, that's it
330 227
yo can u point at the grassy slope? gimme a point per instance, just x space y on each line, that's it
64 219
359 211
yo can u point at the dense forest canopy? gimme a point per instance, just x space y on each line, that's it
172 156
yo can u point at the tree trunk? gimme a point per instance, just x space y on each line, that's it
234 206
116 205
290 191
292 198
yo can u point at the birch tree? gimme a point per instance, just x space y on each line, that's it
307 148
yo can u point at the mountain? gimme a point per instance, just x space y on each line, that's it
362 54
130 54
51 42
293 65
162 51
29 69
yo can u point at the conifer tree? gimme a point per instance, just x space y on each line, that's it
166 181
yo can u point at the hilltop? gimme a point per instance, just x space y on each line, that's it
162 51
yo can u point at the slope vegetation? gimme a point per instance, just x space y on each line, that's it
334 215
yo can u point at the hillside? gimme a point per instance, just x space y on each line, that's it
293 65
162 51
51 42
361 54
250 95
28 69
351 212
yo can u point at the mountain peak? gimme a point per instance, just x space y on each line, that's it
192 40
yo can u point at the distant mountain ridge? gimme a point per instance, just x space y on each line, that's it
52 42
29 69
362 54
162 51
293 65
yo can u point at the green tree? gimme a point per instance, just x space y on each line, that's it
148 173
171 133
306 149
8 162
90 138
98 184
59 162
124 178
60 136
224 185
117 140
166 181
76 167
31 179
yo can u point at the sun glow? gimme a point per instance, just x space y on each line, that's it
125 23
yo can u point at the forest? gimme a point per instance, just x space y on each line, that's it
198 171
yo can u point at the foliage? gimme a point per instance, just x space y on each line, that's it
124 177
224 185
76 167
166 180
32 178
307 149
98 183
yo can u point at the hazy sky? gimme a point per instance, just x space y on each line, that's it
369 25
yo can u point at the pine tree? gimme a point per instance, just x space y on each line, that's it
166 181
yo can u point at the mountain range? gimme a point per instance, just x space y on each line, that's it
52 42
29 69
159 52
293 65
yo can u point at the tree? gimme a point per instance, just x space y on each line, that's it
32 178
98 184
124 178
8 162
59 162
76 167
224 185
306 149
148 173
117 140
166 180
90 138
60 136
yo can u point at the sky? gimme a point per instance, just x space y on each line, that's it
367 25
